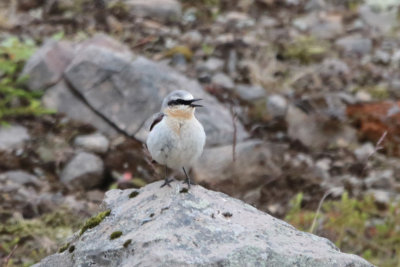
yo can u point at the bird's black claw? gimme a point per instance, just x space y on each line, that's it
166 182
189 183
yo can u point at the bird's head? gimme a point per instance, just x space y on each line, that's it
180 103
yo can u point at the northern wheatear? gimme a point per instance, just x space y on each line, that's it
176 137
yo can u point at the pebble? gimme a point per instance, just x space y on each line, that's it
12 137
95 142
83 171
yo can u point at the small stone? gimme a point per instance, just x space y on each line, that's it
315 5
354 183
189 15
216 167
304 23
380 179
83 171
239 19
334 67
13 137
211 65
161 10
192 38
20 177
382 57
354 44
96 142
394 88
396 58
323 164
223 80
267 22
381 197
363 152
363 96
320 25
317 132
250 93
277 105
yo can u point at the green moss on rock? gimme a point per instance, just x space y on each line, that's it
63 248
94 221
115 235
127 243
133 194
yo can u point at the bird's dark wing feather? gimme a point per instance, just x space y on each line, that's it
156 120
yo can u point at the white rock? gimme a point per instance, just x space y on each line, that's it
200 228
83 171
223 80
92 142
12 137
364 151
277 105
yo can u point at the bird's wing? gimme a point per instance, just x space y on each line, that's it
157 118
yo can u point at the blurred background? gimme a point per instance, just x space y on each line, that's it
301 112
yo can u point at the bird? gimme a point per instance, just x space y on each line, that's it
176 139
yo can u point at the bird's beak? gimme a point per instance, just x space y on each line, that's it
195 105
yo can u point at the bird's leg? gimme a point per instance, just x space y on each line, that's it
187 178
166 180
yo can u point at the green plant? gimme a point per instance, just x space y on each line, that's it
356 226
14 100
38 237
305 49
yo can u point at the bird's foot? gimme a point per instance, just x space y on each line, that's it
167 182
189 182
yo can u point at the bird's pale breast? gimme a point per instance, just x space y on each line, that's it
175 142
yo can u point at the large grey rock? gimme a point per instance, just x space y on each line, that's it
12 137
254 164
61 98
46 66
83 171
127 93
199 228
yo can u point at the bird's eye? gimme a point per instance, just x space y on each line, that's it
172 103
178 102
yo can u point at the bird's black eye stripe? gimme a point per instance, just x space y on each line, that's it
179 102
